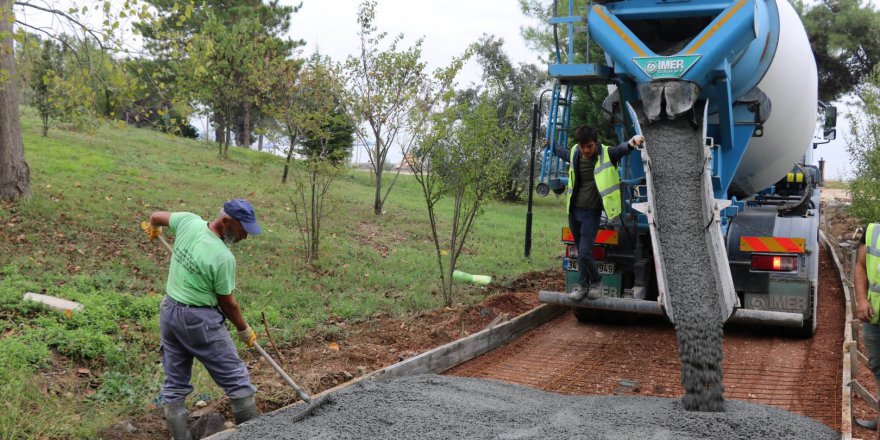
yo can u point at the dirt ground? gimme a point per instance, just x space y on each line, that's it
320 364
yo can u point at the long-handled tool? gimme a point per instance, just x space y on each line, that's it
313 404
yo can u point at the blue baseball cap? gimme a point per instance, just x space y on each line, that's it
242 211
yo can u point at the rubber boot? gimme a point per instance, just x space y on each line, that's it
244 409
175 419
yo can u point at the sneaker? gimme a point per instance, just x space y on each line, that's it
595 292
577 293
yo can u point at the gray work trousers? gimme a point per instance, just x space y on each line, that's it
198 332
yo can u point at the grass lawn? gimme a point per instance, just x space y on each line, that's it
78 238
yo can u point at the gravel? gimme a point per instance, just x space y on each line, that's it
445 407
677 152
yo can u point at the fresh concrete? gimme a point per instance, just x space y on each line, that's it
677 159
439 407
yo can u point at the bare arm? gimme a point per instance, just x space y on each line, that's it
231 310
160 218
864 311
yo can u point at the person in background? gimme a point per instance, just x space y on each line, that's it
867 285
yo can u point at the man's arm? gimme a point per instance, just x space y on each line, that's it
230 308
232 311
560 151
616 153
864 311
160 218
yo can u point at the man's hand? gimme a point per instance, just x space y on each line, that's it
636 142
864 312
247 336
153 232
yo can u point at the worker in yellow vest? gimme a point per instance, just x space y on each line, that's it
593 185
867 284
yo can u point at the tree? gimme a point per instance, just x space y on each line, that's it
310 113
455 155
14 170
864 152
40 80
229 66
381 84
512 90
844 38
168 39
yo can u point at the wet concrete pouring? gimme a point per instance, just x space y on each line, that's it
678 160
611 380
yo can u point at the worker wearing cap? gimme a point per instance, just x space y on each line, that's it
593 186
198 299
867 285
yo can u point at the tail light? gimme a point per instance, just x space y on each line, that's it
774 263
599 253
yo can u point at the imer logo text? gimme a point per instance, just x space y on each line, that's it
666 67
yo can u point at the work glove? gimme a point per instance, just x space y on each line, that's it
152 231
247 336
636 142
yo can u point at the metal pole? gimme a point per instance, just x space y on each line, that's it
536 118
528 249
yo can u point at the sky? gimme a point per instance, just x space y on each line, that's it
448 27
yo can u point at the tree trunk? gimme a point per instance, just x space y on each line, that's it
246 133
377 203
14 171
219 128
287 162
260 143
313 253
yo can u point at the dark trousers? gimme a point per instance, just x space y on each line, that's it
584 224
190 332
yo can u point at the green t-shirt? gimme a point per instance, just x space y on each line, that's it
202 267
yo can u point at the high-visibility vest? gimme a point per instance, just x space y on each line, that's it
872 257
607 183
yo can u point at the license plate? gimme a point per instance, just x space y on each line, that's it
606 268
569 264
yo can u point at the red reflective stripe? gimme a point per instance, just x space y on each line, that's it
755 244
789 245
605 236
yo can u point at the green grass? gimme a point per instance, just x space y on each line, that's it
77 237
836 184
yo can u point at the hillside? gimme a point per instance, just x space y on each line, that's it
77 237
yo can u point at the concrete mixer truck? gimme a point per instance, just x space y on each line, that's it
742 75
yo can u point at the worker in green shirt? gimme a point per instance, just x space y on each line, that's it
198 300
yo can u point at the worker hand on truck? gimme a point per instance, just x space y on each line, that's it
636 142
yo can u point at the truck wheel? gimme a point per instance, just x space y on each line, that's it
810 324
